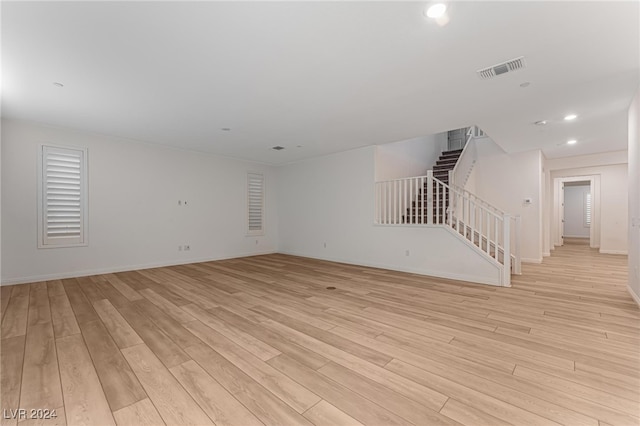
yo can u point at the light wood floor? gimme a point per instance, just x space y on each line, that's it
262 341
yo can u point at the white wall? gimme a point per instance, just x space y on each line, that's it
546 208
134 217
330 200
412 157
505 180
574 210
634 198
609 196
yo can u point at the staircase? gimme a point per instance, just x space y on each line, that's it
445 163
437 200
417 213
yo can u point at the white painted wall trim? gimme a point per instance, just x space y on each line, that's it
602 251
634 296
531 260
469 278
90 272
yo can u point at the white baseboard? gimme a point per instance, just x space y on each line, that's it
439 274
547 254
603 251
531 260
89 272
634 296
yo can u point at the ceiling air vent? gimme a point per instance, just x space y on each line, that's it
278 148
503 68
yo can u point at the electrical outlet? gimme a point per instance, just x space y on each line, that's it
325 245
187 248
179 202
407 253
179 248
256 242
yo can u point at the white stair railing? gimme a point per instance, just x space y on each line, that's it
425 200
462 170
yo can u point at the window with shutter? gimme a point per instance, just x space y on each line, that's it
62 197
255 204
587 209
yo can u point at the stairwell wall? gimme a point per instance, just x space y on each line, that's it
408 158
506 180
326 211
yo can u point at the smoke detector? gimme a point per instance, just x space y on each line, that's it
502 68
278 148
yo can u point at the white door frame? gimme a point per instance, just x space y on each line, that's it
594 229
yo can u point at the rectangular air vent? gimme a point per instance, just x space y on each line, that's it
502 68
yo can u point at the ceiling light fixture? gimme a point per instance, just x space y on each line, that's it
55 83
525 84
570 117
226 129
572 142
540 122
436 11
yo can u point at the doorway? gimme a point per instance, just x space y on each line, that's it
576 210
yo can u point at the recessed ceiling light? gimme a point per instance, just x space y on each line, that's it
226 129
540 122
570 117
436 11
525 84
58 84
278 148
572 142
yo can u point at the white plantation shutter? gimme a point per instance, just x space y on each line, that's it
587 209
63 197
255 203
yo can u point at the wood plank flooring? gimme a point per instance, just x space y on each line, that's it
262 341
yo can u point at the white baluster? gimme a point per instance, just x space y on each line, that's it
495 242
430 197
488 233
472 221
423 202
506 246
437 195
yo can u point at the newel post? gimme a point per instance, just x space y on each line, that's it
506 250
429 197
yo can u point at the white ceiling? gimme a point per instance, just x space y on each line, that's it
328 76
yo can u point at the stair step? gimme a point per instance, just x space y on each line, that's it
445 167
448 156
447 161
453 151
